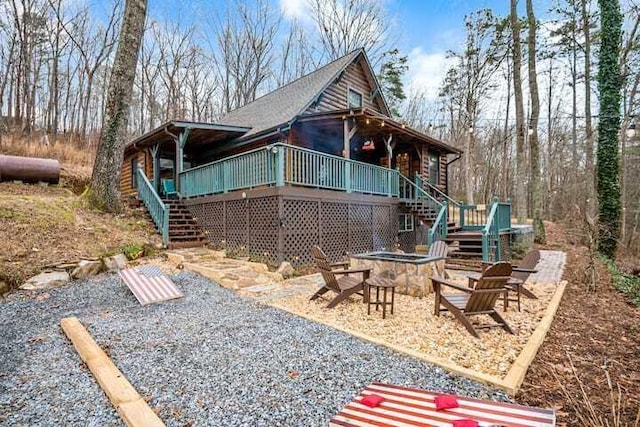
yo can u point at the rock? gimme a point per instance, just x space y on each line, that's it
115 263
286 269
4 287
86 268
47 280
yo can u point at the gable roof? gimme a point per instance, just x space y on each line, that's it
285 103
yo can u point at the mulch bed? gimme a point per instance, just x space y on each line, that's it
594 336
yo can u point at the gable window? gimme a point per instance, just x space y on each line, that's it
405 223
354 99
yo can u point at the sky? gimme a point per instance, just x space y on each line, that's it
425 29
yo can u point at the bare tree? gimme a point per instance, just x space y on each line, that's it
105 188
346 25
516 50
536 185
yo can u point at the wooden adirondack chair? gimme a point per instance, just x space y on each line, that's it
345 285
475 301
439 249
520 275
527 267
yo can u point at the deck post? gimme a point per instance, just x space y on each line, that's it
280 166
347 155
181 141
156 166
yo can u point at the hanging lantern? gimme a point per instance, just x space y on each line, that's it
368 145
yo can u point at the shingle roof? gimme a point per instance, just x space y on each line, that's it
288 101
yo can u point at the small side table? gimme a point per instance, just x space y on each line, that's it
380 284
513 285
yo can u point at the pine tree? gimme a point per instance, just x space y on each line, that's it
393 68
608 161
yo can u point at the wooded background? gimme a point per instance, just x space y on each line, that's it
56 57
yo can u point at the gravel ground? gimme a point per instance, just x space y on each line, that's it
211 358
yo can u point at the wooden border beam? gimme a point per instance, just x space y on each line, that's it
131 407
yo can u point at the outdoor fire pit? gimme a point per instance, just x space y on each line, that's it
412 272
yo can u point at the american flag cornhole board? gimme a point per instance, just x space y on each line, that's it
149 284
409 407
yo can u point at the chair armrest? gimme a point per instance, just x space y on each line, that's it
352 270
524 270
343 264
451 284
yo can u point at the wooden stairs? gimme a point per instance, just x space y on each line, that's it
466 246
184 230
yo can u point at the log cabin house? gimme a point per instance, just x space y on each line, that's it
317 161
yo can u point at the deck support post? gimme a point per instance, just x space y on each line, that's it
347 155
280 166
155 149
389 147
181 141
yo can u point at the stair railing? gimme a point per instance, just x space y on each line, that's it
455 212
498 220
158 210
410 192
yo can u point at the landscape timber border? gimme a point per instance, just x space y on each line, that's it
131 407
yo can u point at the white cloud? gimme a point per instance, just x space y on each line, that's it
295 9
427 71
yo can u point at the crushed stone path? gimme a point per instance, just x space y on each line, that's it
210 358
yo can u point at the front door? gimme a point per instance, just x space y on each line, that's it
403 163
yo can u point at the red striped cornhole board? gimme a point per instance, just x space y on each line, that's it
149 284
409 407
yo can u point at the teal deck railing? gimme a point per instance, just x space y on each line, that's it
281 164
498 221
157 209
412 193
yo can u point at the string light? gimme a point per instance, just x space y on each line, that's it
381 124
368 121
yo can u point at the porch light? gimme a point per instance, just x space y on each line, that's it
381 124
631 131
403 126
430 128
367 121
274 149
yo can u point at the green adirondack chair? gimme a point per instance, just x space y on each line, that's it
169 188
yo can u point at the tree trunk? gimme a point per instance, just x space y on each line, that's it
608 161
521 169
589 181
105 182
538 225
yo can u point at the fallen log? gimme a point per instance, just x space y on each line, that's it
29 169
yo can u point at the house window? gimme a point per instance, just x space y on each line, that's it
354 99
434 168
405 223
134 171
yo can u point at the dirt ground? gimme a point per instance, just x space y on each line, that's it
44 225
595 337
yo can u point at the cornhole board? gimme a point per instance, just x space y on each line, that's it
149 284
403 406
